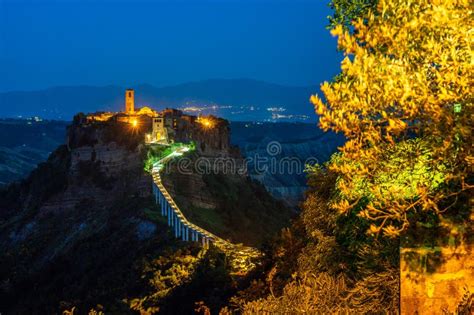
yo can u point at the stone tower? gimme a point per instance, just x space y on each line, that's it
129 101
159 132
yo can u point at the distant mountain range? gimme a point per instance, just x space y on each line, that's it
236 99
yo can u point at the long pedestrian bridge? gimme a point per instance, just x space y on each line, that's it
242 258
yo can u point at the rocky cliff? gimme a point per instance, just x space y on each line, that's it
211 141
83 231
277 154
217 194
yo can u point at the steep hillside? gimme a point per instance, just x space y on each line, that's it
226 202
278 152
83 231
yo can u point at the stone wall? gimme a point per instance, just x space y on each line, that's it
435 280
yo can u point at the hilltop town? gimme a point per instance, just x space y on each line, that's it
93 201
211 134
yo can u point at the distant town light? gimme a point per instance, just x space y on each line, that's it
276 109
134 122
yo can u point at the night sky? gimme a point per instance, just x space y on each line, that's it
51 43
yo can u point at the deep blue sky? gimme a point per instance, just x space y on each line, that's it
49 43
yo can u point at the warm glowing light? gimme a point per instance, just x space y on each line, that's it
206 122
98 116
134 123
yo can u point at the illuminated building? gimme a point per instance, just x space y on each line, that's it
159 133
129 101
164 127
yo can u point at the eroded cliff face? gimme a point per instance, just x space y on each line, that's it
83 226
282 172
217 194
73 217
213 190
101 167
211 141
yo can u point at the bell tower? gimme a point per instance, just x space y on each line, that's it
129 101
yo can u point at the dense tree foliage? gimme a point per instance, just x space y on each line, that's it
407 73
325 263
404 103
346 11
